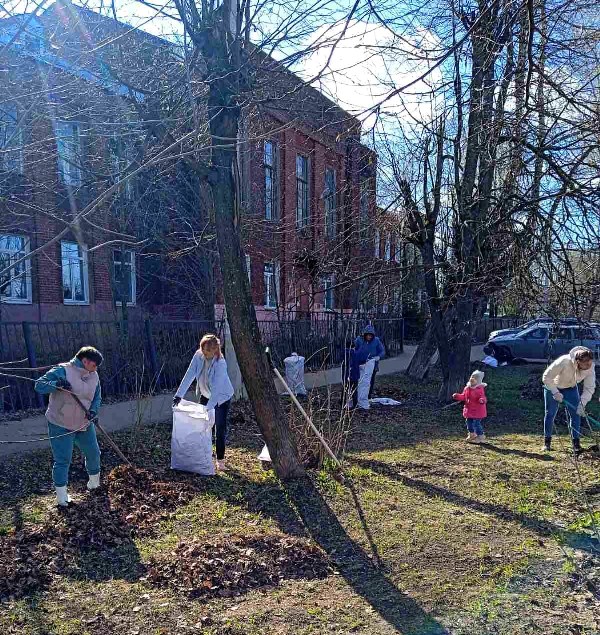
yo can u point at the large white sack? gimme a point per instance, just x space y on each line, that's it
191 440
364 383
294 373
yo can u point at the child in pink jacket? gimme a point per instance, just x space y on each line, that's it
475 408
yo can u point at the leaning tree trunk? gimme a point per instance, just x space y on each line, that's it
224 116
421 360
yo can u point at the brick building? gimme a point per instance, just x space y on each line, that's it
76 147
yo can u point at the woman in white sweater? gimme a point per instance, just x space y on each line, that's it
560 385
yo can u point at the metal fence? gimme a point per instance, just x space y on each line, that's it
140 356
322 338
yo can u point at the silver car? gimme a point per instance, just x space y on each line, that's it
544 342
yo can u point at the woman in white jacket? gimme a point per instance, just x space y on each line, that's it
560 384
213 387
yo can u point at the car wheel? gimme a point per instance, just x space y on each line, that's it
490 349
505 354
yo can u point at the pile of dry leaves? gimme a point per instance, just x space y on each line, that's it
132 504
225 570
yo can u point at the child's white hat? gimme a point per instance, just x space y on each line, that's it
478 375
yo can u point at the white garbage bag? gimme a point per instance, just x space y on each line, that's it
490 361
364 384
294 373
385 401
264 455
191 440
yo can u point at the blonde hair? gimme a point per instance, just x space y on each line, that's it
212 342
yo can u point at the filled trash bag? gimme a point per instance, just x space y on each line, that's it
294 373
364 384
191 440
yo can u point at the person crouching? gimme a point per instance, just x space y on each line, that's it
475 409
68 423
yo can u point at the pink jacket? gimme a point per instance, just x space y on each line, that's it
475 401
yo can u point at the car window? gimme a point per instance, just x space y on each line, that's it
538 334
563 333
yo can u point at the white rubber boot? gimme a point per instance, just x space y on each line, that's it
94 482
62 498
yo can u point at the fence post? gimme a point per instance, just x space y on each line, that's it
152 352
30 348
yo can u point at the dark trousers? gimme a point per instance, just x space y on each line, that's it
221 412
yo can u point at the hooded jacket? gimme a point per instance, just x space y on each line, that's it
473 398
563 373
371 349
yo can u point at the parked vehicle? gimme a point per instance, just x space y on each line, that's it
535 322
543 342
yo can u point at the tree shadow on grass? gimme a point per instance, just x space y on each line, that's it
301 499
515 452
544 528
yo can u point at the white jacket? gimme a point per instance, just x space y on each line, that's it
221 389
563 373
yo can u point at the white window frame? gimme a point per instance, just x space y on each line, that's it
120 159
377 244
398 250
11 143
69 165
249 268
330 203
387 254
302 215
327 282
271 281
132 279
27 272
271 172
84 266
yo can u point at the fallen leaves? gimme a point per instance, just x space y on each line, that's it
202 569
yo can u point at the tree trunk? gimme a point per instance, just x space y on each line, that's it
460 334
419 364
257 375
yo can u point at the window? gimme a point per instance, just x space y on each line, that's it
74 273
121 157
271 282
388 247
302 203
124 276
11 139
377 244
364 207
328 294
330 203
538 334
398 250
68 146
249 268
15 283
270 160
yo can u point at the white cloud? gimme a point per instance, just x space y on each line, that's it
368 65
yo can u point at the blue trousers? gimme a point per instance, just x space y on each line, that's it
62 451
571 395
474 425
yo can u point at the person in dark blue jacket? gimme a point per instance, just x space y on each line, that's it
368 345
353 360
